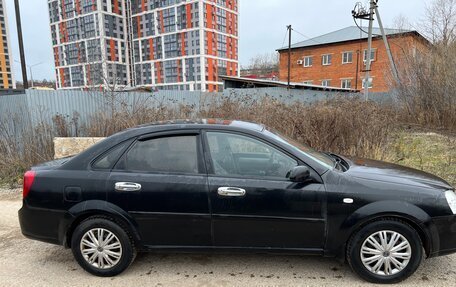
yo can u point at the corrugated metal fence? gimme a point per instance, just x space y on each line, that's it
37 106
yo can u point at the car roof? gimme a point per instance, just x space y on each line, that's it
86 157
189 123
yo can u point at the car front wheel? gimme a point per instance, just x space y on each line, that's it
385 251
102 247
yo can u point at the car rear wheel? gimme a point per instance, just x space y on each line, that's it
102 247
385 251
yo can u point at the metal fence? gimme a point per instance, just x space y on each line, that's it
35 106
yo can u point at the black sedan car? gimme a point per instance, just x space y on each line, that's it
230 185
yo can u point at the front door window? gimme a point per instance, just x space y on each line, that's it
241 156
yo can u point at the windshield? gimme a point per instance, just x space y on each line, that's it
321 158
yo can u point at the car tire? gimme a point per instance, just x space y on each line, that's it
107 257
366 250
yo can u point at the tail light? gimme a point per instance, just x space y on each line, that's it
29 177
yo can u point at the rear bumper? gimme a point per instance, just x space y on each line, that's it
446 229
42 224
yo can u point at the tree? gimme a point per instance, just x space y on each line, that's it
263 63
427 77
401 22
440 22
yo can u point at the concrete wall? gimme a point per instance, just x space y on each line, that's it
64 147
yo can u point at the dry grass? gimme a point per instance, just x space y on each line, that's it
345 126
21 148
351 127
428 151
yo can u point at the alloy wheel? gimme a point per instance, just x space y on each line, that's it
101 248
385 253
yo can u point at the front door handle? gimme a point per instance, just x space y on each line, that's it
127 186
231 191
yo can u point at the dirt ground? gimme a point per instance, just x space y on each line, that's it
25 262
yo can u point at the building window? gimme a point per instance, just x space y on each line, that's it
365 56
346 84
326 60
347 57
326 83
370 83
307 82
308 61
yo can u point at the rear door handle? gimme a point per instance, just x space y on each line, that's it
231 191
127 186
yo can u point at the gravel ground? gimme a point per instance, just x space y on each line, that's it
26 262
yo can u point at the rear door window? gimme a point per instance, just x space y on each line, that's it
176 154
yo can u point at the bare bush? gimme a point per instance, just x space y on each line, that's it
428 88
123 115
22 147
66 126
346 126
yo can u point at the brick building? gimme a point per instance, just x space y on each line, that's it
337 59
162 44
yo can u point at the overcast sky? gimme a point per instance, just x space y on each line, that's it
262 25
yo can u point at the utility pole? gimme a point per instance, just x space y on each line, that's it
369 49
360 12
289 55
387 46
31 77
31 72
21 44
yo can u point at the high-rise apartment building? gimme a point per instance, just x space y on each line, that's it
89 42
163 44
6 72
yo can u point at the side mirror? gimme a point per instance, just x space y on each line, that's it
299 174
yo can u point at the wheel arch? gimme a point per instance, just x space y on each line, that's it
424 236
84 210
411 214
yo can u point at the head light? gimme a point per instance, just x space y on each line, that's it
450 196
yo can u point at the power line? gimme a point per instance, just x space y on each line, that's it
307 37
364 31
284 38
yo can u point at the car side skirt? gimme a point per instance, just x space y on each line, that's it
228 249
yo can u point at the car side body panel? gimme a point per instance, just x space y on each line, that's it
165 204
54 193
341 202
85 209
370 199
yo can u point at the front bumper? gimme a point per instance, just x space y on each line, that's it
42 224
446 229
